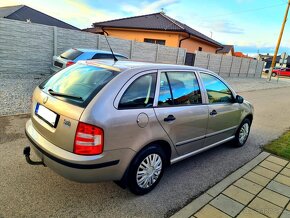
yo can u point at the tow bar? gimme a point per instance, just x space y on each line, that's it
26 152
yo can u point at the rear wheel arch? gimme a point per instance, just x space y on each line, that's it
249 117
164 145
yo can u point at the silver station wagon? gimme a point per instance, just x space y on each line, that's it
126 121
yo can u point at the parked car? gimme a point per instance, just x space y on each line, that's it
266 70
126 121
73 55
281 72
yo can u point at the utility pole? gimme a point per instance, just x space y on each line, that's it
279 41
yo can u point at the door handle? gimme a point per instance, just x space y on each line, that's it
169 118
213 113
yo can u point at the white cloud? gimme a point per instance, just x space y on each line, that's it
146 7
70 11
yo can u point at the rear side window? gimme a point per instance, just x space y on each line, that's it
108 56
80 81
140 94
102 56
71 54
179 88
217 91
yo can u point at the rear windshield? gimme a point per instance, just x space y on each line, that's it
78 84
71 54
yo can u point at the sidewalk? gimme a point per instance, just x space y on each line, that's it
261 188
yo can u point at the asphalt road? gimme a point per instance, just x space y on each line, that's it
35 191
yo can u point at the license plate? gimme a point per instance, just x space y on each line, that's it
47 115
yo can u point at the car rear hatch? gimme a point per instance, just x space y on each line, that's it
66 58
59 102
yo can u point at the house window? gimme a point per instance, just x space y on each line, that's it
155 41
199 48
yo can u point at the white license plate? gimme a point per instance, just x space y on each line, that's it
46 114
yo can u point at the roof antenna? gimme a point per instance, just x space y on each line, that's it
114 56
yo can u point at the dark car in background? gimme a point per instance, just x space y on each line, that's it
73 55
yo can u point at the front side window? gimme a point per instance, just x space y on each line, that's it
140 93
217 91
179 88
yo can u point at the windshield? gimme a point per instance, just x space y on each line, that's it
78 84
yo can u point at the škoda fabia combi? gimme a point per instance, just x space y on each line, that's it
126 121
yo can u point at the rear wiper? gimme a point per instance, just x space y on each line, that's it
65 95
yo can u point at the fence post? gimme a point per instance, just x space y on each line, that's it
157 51
54 40
257 62
249 68
208 59
184 57
231 67
220 65
131 49
240 67
177 56
99 41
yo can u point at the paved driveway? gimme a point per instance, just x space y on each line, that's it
37 191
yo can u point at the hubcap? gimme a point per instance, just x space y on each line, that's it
244 132
149 171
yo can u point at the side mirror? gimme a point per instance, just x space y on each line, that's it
239 99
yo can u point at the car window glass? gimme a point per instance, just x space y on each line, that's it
217 91
140 93
78 80
102 56
184 87
71 54
165 98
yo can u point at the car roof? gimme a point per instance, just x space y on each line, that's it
97 51
127 64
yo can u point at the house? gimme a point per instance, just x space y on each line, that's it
28 14
262 57
157 28
226 50
268 62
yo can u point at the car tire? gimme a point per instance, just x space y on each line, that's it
274 74
242 133
146 170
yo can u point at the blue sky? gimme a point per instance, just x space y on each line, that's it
250 25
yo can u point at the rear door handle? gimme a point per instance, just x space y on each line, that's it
213 113
169 118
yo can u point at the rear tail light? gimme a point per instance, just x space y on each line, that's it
89 140
69 63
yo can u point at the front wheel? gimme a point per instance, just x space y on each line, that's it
146 170
243 133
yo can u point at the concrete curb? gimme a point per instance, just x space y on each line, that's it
205 198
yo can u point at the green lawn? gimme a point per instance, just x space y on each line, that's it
280 146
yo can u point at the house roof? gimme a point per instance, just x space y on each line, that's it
225 49
277 59
156 21
24 13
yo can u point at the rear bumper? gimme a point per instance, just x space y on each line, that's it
54 69
111 165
